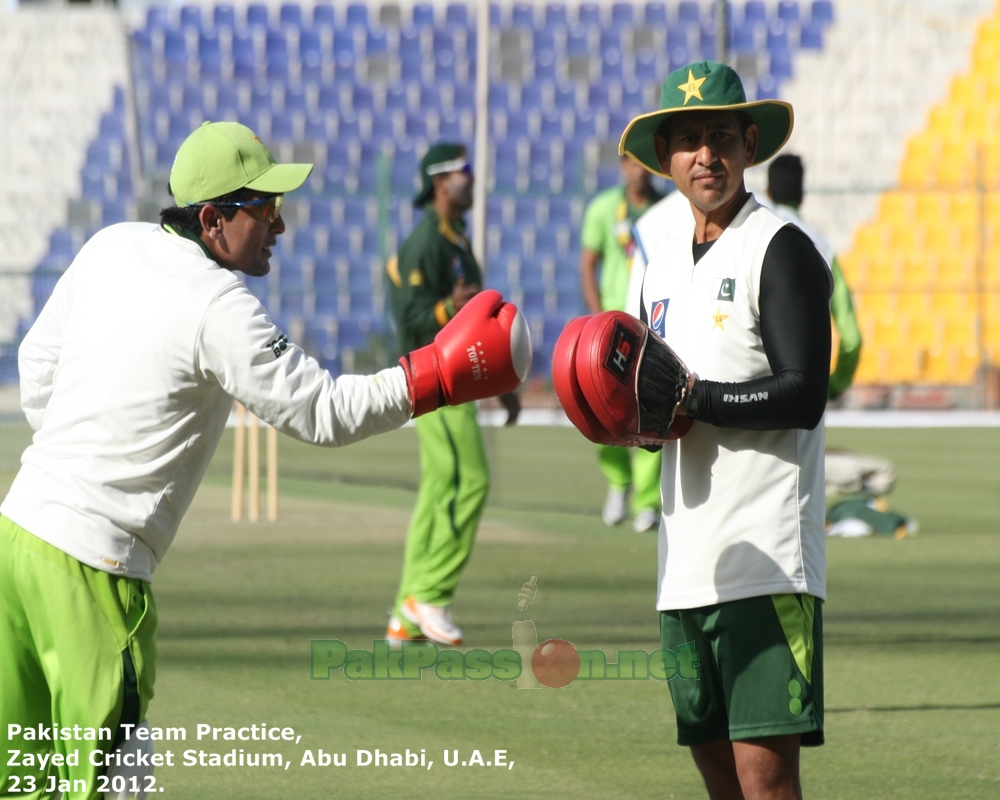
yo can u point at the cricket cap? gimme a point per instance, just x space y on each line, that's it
221 157
706 86
438 160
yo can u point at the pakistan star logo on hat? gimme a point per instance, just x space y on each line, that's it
706 86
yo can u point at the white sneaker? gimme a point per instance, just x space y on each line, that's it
396 633
646 520
614 506
435 621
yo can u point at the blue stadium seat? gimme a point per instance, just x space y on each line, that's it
811 36
589 14
316 129
556 16
634 97
344 43
754 11
445 67
175 48
457 14
282 128
688 13
553 125
788 10
655 15
276 46
157 17
707 41
565 97
311 54
290 14
743 40
522 15
376 43
260 99
622 14
450 127
767 88
397 98
257 15
190 17
357 15
585 126
822 12
578 42
781 64
423 15
677 36
678 58
244 58
192 98
612 67
224 16
777 35
209 55
324 16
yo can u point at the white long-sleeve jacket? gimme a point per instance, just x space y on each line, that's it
128 377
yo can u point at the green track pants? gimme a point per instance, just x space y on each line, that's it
634 467
77 648
454 483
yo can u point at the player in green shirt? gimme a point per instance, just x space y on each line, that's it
433 276
606 242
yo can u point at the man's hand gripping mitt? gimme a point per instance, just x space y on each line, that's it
618 382
484 351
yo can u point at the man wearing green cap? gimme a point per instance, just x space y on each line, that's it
743 298
606 242
431 278
128 378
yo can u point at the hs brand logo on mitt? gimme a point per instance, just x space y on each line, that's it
624 343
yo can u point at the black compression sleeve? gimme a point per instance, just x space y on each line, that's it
795 330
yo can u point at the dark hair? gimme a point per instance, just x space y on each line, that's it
784 180
186 217
744 119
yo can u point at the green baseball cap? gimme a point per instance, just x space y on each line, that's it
706 86
439 159
221 157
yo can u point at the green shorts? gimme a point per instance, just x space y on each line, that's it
761 669
78 649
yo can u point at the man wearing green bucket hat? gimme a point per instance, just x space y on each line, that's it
743 298
433 276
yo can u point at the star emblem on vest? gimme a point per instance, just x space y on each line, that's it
718 318
692 88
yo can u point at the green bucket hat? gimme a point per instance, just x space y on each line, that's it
441 158
706 86
221 157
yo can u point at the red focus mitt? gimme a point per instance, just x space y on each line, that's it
619 382
484 351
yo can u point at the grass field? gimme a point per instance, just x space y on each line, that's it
912 630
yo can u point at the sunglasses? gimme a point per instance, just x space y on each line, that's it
265 209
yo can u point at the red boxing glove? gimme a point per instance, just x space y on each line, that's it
623 381
484 351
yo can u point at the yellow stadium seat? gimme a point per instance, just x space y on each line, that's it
914 304
885 271
945 121
991 322
943 366
918 162
904 239
875 304
956 271
967 90
960 331
940 240
964 208
897 208
919 271
956 168
951 303
923 331
991 205
931 207
871 239
991 270
854 267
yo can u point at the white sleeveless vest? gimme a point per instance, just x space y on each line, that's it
743 511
